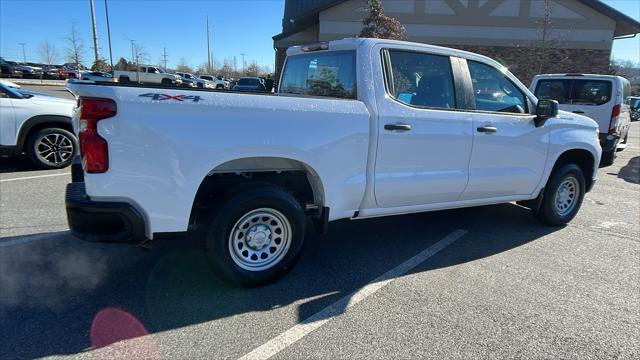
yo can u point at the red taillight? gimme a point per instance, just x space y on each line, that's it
615 114
94 150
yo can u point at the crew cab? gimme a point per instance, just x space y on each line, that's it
359 128
147 75
37 124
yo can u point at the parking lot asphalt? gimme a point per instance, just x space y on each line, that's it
485 282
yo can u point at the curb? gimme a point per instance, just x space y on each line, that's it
38 82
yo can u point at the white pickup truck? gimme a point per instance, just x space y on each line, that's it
359 128
147 75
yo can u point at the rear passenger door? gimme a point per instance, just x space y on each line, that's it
424 141
509 151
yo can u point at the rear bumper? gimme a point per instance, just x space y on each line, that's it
111 221
609 142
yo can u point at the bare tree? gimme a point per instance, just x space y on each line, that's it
48 53
378 25
253 69
75 49
183 66
139 54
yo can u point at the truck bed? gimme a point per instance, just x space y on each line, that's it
164 141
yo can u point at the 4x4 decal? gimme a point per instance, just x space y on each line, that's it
158 96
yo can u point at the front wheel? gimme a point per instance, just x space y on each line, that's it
256 235
562 196
51 148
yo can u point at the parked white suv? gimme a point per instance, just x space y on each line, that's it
360 128
37 124
600 97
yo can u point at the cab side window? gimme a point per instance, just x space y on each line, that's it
493 91
423 80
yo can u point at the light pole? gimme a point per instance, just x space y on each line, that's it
24 56
208 49
106 10
95 31
243 54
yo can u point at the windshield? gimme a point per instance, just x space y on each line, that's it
248 81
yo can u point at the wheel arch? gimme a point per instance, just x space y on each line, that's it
38 122
295 176
583 158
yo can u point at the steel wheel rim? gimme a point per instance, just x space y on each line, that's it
566 197
260 239
54 148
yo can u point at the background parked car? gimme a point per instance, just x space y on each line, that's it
97 76
634 104
249 84
216 82
27 71
600 97
39 125
147 75
194 81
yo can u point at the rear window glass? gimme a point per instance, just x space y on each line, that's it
559 90
569 91
331 74
248 81
591 92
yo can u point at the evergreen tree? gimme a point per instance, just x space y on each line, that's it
378 25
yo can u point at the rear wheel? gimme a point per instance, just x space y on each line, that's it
608 157
123 79
51 148
562 196
166 82
256 235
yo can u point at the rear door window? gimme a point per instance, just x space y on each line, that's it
331 74
423 80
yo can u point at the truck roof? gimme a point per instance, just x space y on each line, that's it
579 75
353 43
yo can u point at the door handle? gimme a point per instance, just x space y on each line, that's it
578 112
397 126
487 129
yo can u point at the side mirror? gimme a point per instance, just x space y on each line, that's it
545 109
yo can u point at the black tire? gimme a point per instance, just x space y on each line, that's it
548 212
166 82
36 148
608 157
237 206
124 79
219 86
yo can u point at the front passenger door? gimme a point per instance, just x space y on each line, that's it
509 151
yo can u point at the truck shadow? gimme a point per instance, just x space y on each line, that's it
16 164
55 292
631 171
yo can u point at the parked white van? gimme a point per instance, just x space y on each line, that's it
600 97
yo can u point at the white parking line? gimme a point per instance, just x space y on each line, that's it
29 238
33 177
299 331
